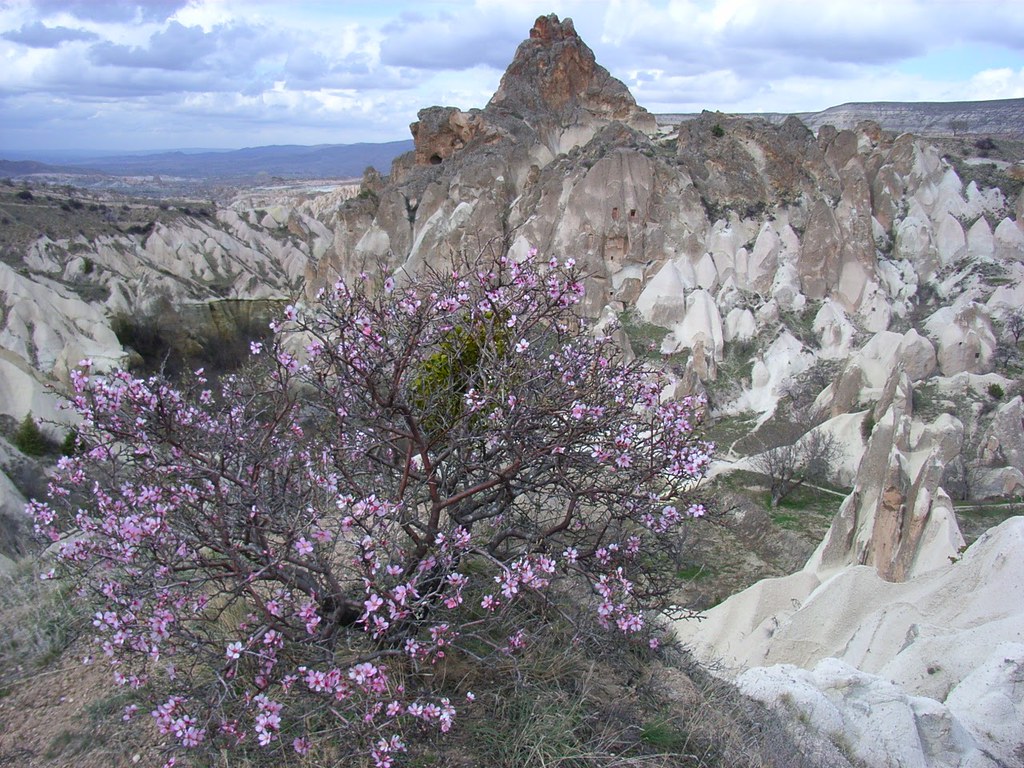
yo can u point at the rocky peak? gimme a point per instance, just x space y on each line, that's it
554 74
554 93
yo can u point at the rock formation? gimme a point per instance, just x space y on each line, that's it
892 637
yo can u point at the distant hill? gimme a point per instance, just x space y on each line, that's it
16 168
999 117
285 161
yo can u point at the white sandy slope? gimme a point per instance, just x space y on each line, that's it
927 672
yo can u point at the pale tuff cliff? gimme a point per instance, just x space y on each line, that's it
1001 118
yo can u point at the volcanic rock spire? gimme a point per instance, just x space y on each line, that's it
554 74
553 93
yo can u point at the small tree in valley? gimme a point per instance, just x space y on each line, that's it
29 439
1015 325
788 467
393 477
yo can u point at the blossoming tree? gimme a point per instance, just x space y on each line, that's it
392 479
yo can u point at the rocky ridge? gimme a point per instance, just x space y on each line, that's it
998 117
740 254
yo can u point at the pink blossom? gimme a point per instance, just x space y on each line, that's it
373 603
309 485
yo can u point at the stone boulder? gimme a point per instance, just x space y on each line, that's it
819 263
965 338
834 330
843 394
1008 241
997 483
663 300
745 163
980 242
783 360
739 325
877 722
897 519
701 326
786 289
917 355
1003 443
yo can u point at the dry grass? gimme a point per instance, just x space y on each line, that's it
38 620
575 698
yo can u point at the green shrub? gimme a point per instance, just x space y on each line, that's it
917 400
717 131
462 358
70 445
867 425
995 391
29 439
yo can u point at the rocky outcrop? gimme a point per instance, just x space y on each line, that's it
892 638
553 96
922 670
879 723
555 77
440 132
764 221
897 519
965 338
749 163
1003 445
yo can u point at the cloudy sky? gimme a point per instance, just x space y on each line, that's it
161 74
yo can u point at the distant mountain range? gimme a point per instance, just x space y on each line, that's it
284 161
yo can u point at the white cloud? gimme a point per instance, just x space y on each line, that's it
1003 83
236 70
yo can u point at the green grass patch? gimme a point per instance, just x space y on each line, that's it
693 572
663 735
645 338
787 520
728 430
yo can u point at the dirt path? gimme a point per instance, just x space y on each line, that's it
70 715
